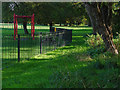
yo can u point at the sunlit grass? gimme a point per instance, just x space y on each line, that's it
8 29
75 28
66 67
36 72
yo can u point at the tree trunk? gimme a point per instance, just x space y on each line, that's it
92 18
60 24
100 24
25 27
89 23
50 26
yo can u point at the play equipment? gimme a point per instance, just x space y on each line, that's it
16 24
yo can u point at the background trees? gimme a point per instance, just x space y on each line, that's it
103 16
45 13
7 14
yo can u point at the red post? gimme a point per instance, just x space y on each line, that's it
33 27
14 27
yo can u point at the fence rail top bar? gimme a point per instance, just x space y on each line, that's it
23 16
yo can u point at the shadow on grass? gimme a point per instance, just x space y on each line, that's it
36 72
42 59
66 47
66 67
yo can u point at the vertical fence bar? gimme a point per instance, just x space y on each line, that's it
18 48
41 43
55 42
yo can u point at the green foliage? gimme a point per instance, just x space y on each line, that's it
94 40
46 12
116 25
7 14
117 41
94 52
116 19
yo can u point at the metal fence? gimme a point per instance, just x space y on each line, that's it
24 47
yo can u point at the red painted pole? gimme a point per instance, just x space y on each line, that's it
14 27
33 27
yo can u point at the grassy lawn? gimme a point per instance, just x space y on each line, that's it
10 45
67 67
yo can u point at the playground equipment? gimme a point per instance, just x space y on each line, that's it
16 24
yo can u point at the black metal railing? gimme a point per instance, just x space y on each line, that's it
9 51
24 47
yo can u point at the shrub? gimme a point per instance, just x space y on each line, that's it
117 41
94 40
96 45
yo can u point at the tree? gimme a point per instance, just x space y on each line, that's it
45 12
7 14
25 26
100 14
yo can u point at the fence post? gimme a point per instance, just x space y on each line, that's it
41 43
18 48
55 41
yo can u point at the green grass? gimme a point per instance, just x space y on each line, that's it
28 46
67 67
8 29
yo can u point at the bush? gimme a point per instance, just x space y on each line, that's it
117 41
94 40
102 72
